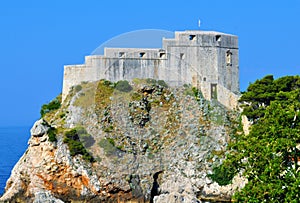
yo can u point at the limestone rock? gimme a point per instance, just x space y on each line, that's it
45 197
39 129
165 159
246 124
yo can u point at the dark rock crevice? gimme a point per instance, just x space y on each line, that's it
155 186
136 189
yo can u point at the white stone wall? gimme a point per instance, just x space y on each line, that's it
132 53
227 98
228 75
74 75
192 57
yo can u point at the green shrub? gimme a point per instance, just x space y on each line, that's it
76 147
102 95
136 96
150 81
108 146
84 137
123 86
111 141
107 83
80 130
156 82
222 175
52 134
162 83
197 93
62 115
78 88
53 105
188 90
108 129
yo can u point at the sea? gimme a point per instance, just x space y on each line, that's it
13 143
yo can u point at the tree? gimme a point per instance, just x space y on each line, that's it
269 154
260 94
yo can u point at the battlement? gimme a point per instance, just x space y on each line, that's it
203 38
206 59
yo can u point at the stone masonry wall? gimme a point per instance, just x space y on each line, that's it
205 59
74 75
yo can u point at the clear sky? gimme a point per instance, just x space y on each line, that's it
38 37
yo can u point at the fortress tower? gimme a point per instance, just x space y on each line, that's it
205 59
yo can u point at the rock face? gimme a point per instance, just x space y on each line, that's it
47 169
150 144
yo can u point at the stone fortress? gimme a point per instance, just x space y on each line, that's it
207 60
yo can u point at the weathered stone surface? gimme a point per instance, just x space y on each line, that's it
38 129
166 159
45 197
45 170
246 124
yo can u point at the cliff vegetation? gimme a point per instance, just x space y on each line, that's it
146 142
269 155
117 142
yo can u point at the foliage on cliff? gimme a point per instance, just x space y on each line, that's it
143 136
123 86
53 105
269 154
72 138
260 94
52 134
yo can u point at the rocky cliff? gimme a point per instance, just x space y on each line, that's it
120 142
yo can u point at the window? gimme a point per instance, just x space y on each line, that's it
182 55
204 79
218 38
162 55
228 58
192 37
121 54
142 54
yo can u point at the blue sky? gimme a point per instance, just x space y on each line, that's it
38 37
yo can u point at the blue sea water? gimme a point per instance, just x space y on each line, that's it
13 143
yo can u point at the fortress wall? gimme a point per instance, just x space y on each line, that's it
206 64
116 68
188 65
175 71
235 73
227 98
200 57
205 87
131 53
194 57
100 64
198 38
160 69
223 69
228 41
228 75
127 69
74 75
168 43
93 60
